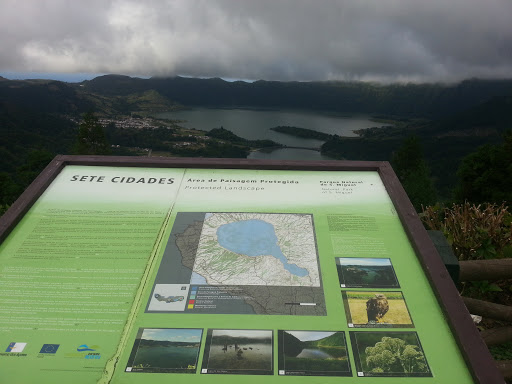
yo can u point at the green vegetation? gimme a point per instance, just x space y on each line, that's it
325 355
397 314
475 232
176 141
413 173
440 144
502 351
336 340
433 135
142 103
301 132
322 365
293 346
449 121
486 174
91 138
402 100
395 355
224 134
368 275
28 141
367 295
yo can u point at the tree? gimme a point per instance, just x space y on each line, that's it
35 162
91 137
413 173
486 174
9 190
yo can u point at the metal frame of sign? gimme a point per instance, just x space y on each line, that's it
479 360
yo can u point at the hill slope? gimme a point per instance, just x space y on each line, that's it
427 100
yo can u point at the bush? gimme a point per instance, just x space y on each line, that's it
475 232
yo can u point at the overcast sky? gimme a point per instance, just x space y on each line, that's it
379 40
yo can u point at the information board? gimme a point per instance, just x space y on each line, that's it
150 274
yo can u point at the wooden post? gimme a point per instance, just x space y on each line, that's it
495 269
486 309
495 336
505 367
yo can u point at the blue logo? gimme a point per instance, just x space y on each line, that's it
49 348
84 348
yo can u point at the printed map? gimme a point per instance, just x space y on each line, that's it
256 249
240 263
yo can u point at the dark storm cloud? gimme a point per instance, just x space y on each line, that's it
384 40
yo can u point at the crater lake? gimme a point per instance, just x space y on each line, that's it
254 124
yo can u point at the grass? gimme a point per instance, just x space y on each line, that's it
397 313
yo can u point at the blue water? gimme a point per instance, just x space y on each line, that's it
255 238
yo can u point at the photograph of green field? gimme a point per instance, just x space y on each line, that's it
161 350
393 354
372 309
356 272
313 353
236 351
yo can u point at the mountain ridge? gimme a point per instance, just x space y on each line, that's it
429 100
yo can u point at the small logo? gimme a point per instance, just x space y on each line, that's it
49 348
85 348
16 347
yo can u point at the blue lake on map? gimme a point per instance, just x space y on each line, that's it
255 238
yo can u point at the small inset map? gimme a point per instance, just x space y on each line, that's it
256 249
169 297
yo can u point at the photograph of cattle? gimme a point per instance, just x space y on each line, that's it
372 309
238 351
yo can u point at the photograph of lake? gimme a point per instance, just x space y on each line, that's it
236 351
255 124
355 272
313 353
162 350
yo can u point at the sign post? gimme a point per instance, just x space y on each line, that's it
122 269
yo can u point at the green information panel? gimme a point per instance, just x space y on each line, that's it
157 275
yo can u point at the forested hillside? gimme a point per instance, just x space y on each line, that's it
426 100
28 141
450 121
